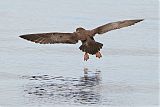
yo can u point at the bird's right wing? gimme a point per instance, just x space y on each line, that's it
115 25
51 38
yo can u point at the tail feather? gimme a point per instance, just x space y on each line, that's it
92 48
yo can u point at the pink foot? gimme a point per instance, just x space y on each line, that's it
86 56
98 54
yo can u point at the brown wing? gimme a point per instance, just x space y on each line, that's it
51 38
115 25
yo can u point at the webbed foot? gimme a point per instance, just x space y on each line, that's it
86 56
98 54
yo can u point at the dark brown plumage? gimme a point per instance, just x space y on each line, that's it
51 38
89 45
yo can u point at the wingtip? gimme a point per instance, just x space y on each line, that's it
24 37
137 20
140 20
21 36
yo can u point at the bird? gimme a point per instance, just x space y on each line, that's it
89 45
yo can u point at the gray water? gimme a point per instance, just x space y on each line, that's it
56 75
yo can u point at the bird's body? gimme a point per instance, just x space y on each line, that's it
89 45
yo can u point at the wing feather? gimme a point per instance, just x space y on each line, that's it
51 38
115 25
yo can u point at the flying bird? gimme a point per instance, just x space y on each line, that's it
89 45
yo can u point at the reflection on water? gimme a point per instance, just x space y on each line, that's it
59 90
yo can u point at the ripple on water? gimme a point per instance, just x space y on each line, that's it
59 89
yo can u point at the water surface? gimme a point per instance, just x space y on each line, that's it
54 75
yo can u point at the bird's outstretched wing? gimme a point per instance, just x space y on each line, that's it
51 38
115 25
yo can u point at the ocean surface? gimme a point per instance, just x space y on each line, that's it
34 75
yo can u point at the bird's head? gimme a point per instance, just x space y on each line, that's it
80 29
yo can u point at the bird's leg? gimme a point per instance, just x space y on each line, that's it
98 54
86 56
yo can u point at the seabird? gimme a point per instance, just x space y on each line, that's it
89 45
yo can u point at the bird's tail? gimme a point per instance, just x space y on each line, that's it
91 48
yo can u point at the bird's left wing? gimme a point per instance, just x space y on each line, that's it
51 38
115 25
